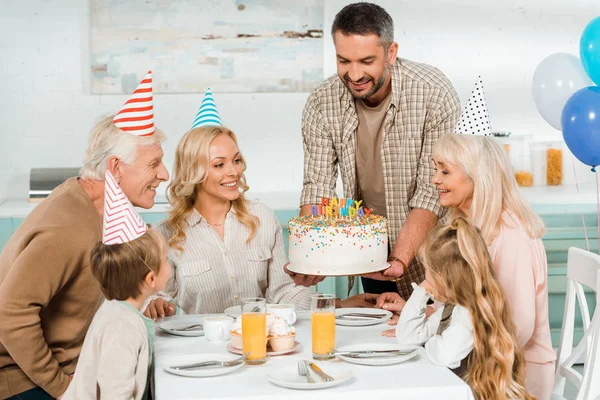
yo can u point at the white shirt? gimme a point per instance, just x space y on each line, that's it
414 329
212 274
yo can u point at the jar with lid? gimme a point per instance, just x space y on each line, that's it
517 149
547 159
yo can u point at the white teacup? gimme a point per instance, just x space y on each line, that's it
216 329
286 311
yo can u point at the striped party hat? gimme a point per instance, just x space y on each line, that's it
207 115
122 223
137 115
474 119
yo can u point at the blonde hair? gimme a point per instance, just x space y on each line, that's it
106 141
190 170
460 265
495 189
122 268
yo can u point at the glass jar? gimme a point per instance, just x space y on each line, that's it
517 149
547 158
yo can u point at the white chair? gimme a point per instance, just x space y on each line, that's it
583 268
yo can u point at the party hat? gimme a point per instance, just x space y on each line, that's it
137 115
207 115
121 222
474 119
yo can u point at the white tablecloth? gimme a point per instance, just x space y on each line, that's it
416 379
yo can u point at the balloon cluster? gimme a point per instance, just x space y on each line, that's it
565 95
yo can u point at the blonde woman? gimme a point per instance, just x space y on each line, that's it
222 247
472 332
475 180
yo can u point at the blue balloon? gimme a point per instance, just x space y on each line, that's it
580 122
589 50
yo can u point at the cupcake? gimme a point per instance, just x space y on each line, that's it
236 330
282 335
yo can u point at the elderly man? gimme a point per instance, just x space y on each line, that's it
377 120
48 295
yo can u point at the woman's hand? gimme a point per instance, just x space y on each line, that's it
159 308
389 333
301 279
391 301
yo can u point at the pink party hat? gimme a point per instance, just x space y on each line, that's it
137 115
121 222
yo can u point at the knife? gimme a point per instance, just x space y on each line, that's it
372 353
319 371
361 316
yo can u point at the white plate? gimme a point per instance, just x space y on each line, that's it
196 358
365 270
361 322
297 347
378 360
169 326
233 311
290 378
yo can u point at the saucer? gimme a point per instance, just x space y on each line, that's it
200 372
288 377
379 360
297 347
171 326
360 321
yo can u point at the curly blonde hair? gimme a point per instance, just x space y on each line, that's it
190 170
460 265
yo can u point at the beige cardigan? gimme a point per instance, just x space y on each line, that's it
114 360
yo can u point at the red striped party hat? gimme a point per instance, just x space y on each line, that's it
121 222
137 115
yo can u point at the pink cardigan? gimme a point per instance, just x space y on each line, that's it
521 269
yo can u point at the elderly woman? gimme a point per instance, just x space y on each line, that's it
222 247
475 180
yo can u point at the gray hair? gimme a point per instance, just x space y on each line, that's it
106 141
363 19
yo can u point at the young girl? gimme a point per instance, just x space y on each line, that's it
472 333
131 264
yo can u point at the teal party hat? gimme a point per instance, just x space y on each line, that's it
208 115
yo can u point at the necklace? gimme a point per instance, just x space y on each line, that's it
215 224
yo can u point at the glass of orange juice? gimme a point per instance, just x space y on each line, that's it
254 330
322 307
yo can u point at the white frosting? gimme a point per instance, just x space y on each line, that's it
281 327
321 248
237 324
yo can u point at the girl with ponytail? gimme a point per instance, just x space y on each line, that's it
472 333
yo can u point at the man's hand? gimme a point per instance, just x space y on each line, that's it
391 301
303 280
394 271
159 308
364 300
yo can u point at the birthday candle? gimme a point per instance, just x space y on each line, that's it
328 211
334 202
361 212
368 211
352 211
357 203
314 210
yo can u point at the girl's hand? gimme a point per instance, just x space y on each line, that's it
159 308
391 301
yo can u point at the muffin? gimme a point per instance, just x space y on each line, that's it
236 331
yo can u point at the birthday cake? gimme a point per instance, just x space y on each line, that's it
339 238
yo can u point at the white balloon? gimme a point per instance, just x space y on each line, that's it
555 80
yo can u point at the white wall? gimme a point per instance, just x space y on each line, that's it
46 110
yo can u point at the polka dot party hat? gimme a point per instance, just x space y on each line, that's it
474 119
207 115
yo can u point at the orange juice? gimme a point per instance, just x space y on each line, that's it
323 332
254 335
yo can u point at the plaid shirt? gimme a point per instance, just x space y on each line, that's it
424 106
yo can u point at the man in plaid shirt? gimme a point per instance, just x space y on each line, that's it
377 120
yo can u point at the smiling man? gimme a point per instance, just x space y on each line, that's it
48 295
377 120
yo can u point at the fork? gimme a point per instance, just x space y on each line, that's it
213 363
303 371
187 328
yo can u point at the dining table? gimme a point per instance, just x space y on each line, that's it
417 378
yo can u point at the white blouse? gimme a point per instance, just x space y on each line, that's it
211 274
414 329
